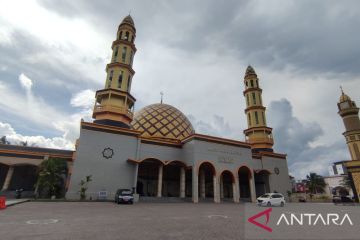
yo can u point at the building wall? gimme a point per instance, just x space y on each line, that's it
107 174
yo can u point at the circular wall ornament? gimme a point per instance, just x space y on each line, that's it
276 170
108 153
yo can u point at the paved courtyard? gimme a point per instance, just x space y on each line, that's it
97 220
106 220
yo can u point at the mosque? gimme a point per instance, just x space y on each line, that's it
156 151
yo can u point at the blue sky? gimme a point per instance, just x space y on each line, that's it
54 53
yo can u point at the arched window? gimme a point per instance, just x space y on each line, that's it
116 53
131 39
249 119
263 117
120 35
110 78
256 118
254 98
127 36
260 99
246 83
257 83
251 83
120 79
247 99
131 58
123 54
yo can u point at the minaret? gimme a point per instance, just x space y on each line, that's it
350 115
114 104
257 134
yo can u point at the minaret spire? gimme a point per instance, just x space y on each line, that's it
257 134
114 104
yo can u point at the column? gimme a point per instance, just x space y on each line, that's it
182 182
136 177
195 186
237 190
216 189
160 178
8 178
252 188
221 188
202 184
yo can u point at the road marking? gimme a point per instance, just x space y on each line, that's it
218 216
42 221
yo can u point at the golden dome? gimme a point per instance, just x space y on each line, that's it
162 121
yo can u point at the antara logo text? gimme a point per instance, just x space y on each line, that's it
301 219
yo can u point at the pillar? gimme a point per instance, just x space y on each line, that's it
252 188
202 184
195 186
182 182
136 177
8 178
160 178
221 187
236 190
216 189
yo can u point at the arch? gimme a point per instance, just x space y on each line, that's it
151 159
245 175
245 167
206 162
174 179
149 170
262 182
178 162
227 185
127 35
263 171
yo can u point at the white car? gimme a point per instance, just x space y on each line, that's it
271 199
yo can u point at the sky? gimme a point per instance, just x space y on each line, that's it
54 53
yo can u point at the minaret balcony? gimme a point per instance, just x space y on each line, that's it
260 140
112 109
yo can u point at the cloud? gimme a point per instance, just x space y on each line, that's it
25 81
217 127
295 138
84 98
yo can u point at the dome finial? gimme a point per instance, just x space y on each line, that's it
162 95
343 96
250 70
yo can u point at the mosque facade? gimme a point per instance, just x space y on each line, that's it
156 151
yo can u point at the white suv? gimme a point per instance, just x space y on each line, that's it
271 199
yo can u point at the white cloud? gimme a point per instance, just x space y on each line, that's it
85 99
25 81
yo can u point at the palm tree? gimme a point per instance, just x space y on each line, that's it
315 183
52 176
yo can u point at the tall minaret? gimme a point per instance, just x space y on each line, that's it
114 104
257 134
350 115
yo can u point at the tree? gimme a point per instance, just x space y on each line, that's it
3 140
346 182
83 187
315 183
52 176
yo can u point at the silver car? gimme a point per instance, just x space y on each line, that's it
271 199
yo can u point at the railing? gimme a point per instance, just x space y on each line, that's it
100 108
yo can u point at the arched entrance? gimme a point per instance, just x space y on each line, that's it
206 178
24 177
227 183
244 183
148 177
262 185
174 179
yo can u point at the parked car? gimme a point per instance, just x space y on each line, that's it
124 196
342 199
302 199
271 199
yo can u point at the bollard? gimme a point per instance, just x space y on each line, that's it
2 202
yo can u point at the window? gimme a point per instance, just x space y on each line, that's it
246 83
123 55
127 36
256 118
120 35
249 118
357 152
110 78
257 83
254 98
247 99
120 79
260 99
131 39
128 83
116 53
251 83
